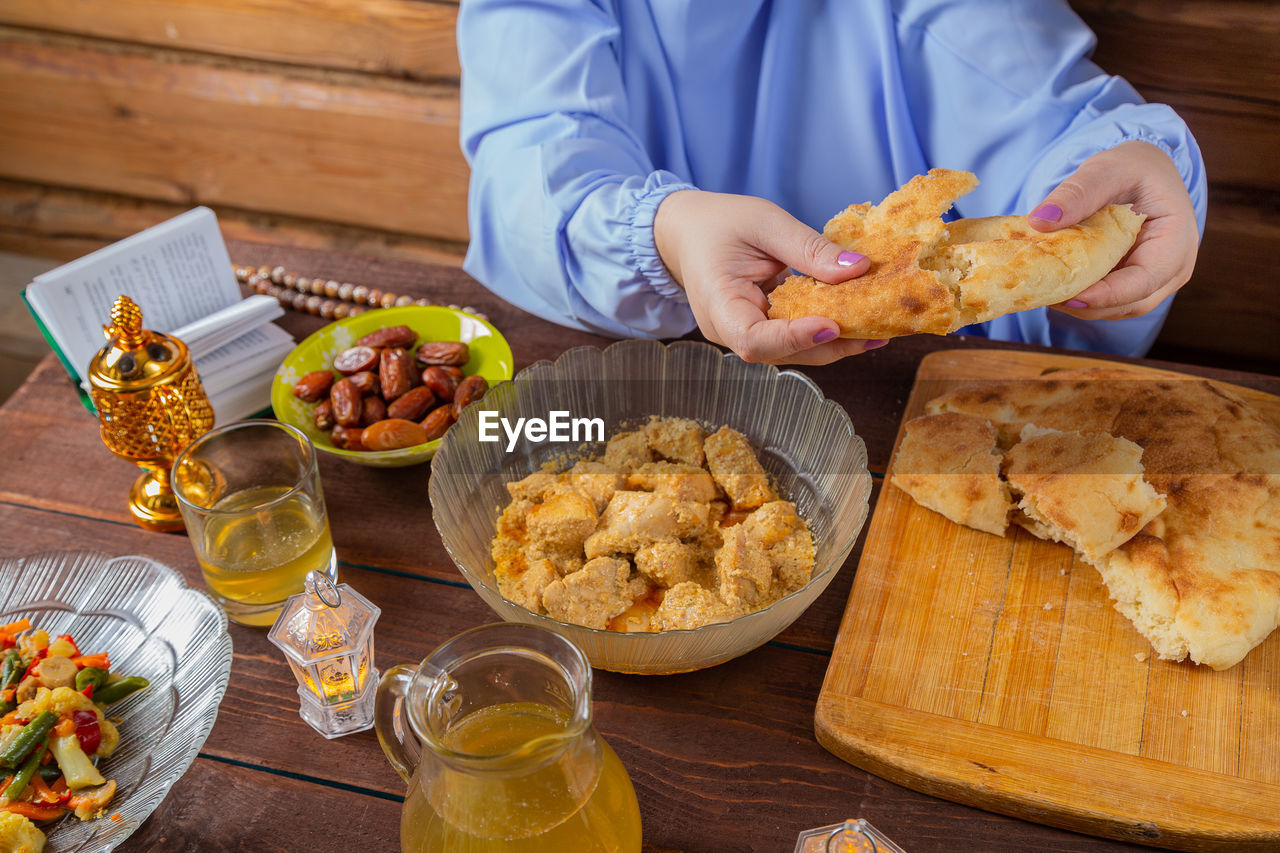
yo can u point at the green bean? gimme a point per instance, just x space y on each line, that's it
23 776
117 690
32 734
7 705
11 671
50 772
90 675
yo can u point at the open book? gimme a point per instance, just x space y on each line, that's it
179 274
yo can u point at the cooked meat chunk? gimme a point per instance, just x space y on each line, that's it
597 481
592 595
778 529
670 562
677 480
792 560
743 571
736 469
772 523
688 605
562 521
526 588
635 519
676 439
645 539
534 487
627 451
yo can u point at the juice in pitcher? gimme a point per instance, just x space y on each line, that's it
527 812
493 734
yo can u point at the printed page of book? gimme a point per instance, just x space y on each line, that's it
177 272
209 333
251 353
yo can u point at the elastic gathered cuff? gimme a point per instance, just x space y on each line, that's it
643 249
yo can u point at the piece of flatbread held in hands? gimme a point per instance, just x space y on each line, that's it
932 276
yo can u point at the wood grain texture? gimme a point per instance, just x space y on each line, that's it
994 671
64 224
167 129
399 38
1228 44
1230 303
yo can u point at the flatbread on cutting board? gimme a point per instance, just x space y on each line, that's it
950 464
1202 579
930 276
1086 490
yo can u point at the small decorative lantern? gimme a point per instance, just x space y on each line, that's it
852 836
326 634
150 405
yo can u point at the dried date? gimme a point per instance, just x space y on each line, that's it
440 381
347 438
366 381
323 415
372 410
413 404
469 390
452 353
395 373
393 434
355 360
391 336
314 386
345 398
438 422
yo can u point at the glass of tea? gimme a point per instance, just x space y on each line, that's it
250 497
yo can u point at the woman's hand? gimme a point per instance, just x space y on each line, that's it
1164 254
728 251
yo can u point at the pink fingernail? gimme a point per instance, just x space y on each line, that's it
1047 212
1076 303
848 259
873 345
825 335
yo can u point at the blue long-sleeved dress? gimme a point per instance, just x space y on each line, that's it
580 116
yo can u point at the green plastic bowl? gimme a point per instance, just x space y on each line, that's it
490 358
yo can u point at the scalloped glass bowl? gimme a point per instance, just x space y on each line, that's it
806 442
152 624
490 357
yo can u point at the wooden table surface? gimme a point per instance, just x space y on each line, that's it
722 760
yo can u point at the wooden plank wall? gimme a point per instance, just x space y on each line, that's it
334 123
317 122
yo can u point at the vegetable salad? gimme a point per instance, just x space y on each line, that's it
52 730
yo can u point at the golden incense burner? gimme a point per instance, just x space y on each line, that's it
151 404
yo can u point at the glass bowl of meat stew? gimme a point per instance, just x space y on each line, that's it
811 456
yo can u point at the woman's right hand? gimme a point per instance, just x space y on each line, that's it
728 251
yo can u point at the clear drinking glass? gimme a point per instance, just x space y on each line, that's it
493 734
251 501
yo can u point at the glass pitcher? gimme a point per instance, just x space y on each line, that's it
492 733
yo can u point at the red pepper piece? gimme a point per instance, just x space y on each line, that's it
87 730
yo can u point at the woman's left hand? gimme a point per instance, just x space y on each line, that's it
1164 254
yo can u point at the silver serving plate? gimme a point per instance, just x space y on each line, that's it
153 625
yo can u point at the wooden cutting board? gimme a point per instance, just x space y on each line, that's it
995 672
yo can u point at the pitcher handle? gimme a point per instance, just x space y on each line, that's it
392 722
